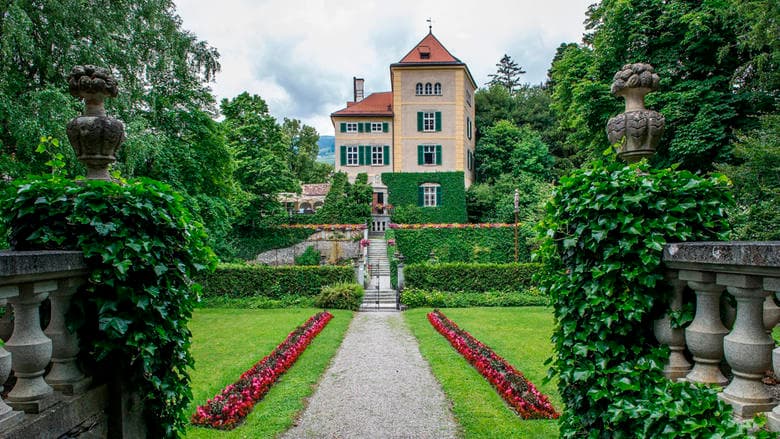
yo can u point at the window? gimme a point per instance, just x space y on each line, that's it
468 98
429 121
419 88
376 127
352 156
429 195
437 89
351 127
468 127
429 154
377 155
428 88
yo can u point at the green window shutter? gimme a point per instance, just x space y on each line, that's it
438 121
386 155
361 156
419 154
368 127
420 196
438 195
438 154
385 127
419 121
360 127
343 155
343 127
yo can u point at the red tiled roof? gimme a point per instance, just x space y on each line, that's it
375 104
315 189
436 53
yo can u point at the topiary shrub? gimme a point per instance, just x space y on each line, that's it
340 296
310 256
142 249
604 231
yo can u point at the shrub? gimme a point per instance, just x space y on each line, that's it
473 278
310 256
484 245
249 280
417 298
341 296
604 234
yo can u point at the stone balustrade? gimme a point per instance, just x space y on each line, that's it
380 222
26 280
750 272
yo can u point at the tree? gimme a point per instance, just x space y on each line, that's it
507 75
302 152
504 148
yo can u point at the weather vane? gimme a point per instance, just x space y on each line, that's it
430 25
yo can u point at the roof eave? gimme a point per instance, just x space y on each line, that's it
437 64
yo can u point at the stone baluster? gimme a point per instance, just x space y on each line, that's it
771 314
677 366
7 322
401 281
705 334
772 284
748 348
8 416
30 349
65 375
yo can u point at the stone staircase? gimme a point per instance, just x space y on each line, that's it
380 295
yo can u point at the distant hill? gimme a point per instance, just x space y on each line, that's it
327 152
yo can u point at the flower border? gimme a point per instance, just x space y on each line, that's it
319 227
452 226
510 383
231 406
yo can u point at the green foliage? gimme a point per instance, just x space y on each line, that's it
302 152
605 230
419 298
757 182
310 256
472 278
495 203
245 280
482 245
256 241
504 148
341 296
700 53
346 203
402 188
257 302
142 249
507 75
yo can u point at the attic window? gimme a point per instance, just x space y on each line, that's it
425 52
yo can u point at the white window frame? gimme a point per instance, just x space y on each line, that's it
437 89
468 127
429 121
377 155
428 88
429 151
376 127
351 127
429 194
418 89
352 156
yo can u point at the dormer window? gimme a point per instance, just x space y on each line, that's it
425 52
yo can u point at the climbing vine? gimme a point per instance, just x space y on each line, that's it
142 249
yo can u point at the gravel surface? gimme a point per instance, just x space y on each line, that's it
378 386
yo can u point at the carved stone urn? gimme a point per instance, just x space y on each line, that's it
94 136
637 129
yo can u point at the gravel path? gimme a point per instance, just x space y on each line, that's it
378 386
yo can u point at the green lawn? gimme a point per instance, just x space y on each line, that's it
521 336
227 342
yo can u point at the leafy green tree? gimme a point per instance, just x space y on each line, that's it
494 203
507 75
302 152
346 203
505 148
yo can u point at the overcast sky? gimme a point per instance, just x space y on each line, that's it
300 56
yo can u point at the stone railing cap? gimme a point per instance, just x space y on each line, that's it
16 266
739 256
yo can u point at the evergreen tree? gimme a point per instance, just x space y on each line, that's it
507 75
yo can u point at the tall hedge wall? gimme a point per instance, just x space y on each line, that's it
242 280
402 191
473 278
483 245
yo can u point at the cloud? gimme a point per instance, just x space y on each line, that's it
300 56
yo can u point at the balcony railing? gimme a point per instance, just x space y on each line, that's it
750 272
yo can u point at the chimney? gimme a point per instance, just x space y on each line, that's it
358 86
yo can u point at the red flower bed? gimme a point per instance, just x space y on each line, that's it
510 383
231 406
451 226
333 227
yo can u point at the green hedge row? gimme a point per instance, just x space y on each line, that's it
416 298
496 245
251 243
402 190
242 280
472 278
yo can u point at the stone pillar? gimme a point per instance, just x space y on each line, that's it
705 334
30 349
677 366
8 416
748 349
6 322
361 274
772 284
771 314
401 278
65 375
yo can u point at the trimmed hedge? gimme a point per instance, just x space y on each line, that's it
402 190
416 298
243 280
251 243
485 245
472 278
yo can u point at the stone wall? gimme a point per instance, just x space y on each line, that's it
334 246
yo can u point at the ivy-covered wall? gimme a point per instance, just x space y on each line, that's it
402 188
475 245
